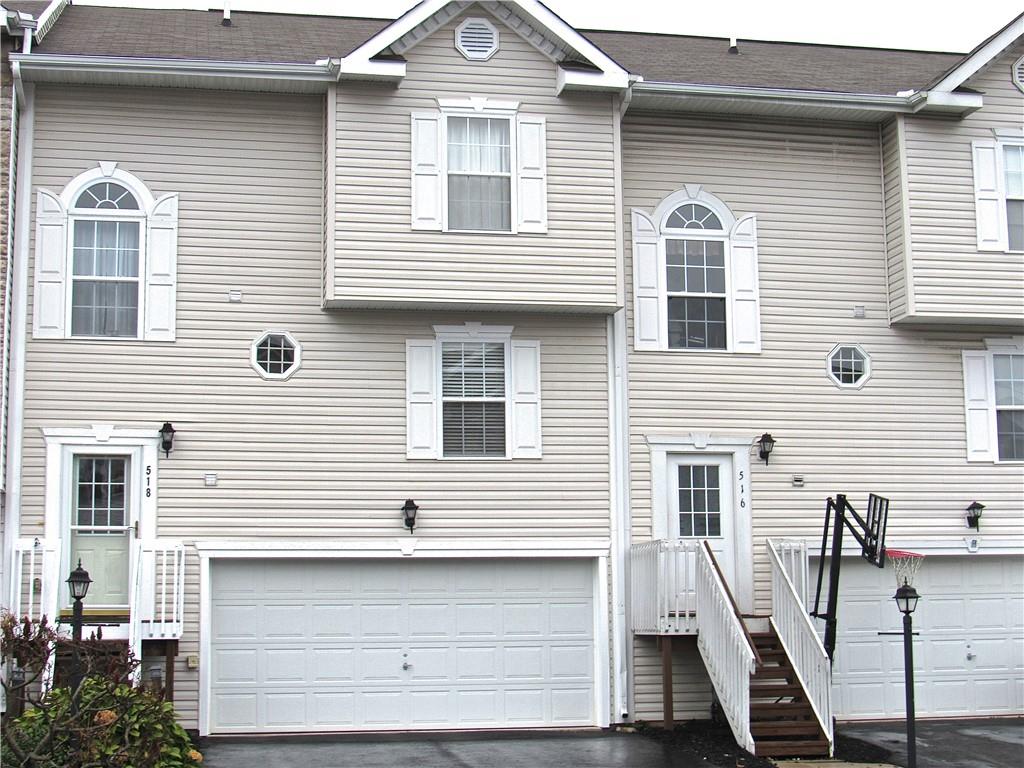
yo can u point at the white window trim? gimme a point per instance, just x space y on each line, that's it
654 226
63 445
993 346
482 107
57 211
275 376
1002 138
482 333
867 366
694 444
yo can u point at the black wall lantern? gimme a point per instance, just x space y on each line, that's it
765 444
167 438
409 510
974 515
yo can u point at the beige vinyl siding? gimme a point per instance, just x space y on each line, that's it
379 259
816 191
952 279
895 213
692 693
321 455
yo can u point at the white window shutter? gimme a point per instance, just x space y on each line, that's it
531 162
526 427
51 267
421 399
161 269
427 170
989 206
650 324
744 299
978 406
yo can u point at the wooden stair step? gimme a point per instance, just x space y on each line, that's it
776 690
785 728
773 673
772 709
791 748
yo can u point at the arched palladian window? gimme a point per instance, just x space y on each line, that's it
695 276
106 253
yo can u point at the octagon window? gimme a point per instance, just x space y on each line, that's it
276 355
849 366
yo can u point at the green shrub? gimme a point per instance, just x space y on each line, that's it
116 726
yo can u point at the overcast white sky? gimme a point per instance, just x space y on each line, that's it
937 25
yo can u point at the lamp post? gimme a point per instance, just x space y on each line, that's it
78 585
906 599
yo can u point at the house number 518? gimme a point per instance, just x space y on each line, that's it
149 480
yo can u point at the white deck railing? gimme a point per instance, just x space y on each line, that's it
793 556
159 587
799 638
35 580
663 587
725 647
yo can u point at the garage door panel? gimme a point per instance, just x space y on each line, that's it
970 606
486 644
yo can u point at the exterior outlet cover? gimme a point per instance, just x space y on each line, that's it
859 311
972 542
192 661
210 478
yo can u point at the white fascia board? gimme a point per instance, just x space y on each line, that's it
970 66
404 547
906 103
360 60
48 62
364 69
576 80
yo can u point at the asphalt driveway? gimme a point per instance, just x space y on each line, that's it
988 743
591 749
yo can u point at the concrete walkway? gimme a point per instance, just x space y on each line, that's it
989 743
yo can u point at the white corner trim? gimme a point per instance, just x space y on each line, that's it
396 548
1005 344
475 331
982 56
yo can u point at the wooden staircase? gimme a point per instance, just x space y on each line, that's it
781 719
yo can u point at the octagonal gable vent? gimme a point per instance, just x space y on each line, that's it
476 39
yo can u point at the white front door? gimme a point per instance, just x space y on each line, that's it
101 529
334 645
701 506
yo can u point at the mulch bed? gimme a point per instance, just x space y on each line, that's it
703 743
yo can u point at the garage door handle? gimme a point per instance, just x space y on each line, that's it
406 665
970 657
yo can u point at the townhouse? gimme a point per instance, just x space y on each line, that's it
389 375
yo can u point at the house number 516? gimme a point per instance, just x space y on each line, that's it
743 491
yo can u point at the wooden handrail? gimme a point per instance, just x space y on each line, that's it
732 602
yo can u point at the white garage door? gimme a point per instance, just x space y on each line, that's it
968 657
329 645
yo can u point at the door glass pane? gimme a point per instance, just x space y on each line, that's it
700 510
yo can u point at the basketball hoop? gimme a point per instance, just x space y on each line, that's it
905 564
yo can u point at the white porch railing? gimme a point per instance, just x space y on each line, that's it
799 638
663 587
35 578
725 647
158 590
793 556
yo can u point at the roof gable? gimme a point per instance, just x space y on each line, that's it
531 20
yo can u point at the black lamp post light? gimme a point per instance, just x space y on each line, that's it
765 445
974 515
409 510
78 585
906 565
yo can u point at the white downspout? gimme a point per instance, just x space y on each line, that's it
18 329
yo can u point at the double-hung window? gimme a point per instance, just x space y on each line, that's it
478 165
474 398
473 392
105 259
479 173
1008 381
105 286
695 281
1013 172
